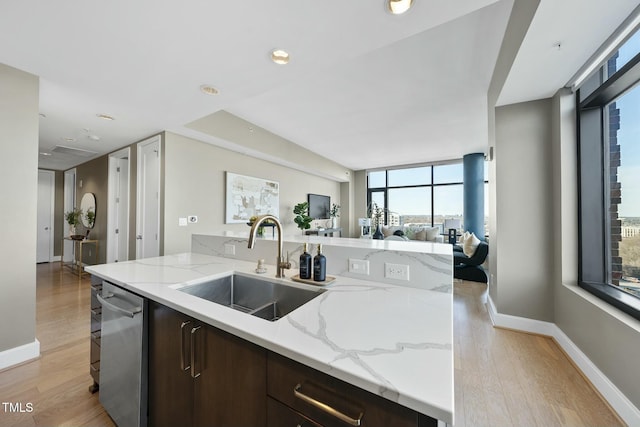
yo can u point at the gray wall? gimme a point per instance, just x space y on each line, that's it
18 224
92 175
523 191
195 185
608 337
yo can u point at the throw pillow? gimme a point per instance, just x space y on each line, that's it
470 245
420 235
388 231
432 233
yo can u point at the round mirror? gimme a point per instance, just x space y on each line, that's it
88 206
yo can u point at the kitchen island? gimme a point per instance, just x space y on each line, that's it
393 341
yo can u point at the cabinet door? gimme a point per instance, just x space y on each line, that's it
170 386
231 388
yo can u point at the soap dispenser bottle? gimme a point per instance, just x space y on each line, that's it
319 266
305 264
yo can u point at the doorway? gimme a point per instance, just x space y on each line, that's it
148 199
118 206
46 191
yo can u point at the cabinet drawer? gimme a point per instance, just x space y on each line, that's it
279 415
94 370
96 319
95 352
306 390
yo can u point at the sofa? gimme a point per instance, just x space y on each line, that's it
470 267
411 232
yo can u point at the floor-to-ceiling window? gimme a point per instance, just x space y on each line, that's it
418 195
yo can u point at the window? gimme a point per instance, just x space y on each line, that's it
609 171
419 195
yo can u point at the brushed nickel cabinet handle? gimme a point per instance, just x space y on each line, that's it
194 374
326 408
183 358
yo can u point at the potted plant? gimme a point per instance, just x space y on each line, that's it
302 218
260 230
334 213
376 213
73 219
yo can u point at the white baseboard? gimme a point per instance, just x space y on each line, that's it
618 401
21 354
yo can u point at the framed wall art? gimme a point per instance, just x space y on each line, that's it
247 196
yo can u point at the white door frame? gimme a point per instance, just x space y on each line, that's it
69 204
50 227
141 187
113 222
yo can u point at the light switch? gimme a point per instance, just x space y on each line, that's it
359 266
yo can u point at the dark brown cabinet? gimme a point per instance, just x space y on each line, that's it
96 328
307 397
202 376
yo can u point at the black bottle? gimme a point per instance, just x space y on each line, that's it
305 264
319 266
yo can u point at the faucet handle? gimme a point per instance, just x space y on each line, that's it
286 264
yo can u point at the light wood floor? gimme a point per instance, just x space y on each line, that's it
502 378
508 378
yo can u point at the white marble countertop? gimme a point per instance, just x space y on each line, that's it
351 242
394 341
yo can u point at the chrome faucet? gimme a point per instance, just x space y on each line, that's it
281 264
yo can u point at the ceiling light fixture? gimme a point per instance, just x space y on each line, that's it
280 56
93 137
209 90
45 154
68 139
105 117
398 7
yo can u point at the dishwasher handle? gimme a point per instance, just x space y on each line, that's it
109 305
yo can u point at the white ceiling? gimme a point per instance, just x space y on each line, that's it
371 88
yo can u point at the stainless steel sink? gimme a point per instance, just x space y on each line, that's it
261 298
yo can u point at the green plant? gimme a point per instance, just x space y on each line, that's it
91 217
73 217
335 211
376 213
302 218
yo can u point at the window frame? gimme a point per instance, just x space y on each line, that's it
431 185
594 229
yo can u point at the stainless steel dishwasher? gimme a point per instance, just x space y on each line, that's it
123 358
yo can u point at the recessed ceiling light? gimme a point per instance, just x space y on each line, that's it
68 139
105 117
398 7
93 137
45 154
280 56
209 90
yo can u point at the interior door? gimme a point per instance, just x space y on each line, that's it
148 199
46 186
118 217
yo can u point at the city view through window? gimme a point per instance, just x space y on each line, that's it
624 153
425 195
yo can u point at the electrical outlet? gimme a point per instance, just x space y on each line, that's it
229 249
396 271
182 222
359 266
192 219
